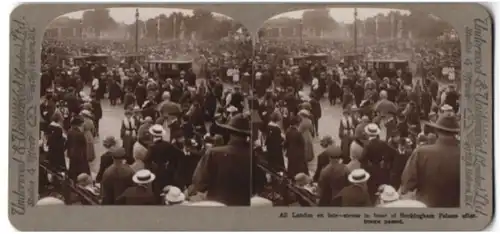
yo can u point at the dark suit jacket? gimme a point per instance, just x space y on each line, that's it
137 195
332 180
434 172
224 173
106 161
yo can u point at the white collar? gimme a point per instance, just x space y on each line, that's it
54 124
273 124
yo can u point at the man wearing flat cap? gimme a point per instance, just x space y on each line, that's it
116 178
333 177
437 183
224 171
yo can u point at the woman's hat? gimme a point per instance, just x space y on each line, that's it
447 123
389 194
136 108
143 177
326 140
174 195
157 130
84 178
109 142
372 129
240 124
358 176
302 179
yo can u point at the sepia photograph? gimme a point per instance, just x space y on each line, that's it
291 116
145 106
357 107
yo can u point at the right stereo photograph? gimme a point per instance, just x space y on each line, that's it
356 107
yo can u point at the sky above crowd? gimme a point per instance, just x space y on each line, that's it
127 15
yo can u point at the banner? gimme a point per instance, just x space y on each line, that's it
376 27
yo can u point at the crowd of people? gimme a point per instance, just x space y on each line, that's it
239 127
174 134
397 137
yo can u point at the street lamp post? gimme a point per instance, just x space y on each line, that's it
355 30
137 30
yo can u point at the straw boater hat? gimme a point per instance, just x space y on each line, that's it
47 201
389 194
358 176
157 130
372 129
260 202
143 177
239 124
447 123
174 195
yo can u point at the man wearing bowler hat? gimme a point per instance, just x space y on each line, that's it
333 178
224 171
433 171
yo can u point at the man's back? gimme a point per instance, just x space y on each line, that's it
115 180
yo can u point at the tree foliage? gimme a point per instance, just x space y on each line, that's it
99 19
319 19
421 25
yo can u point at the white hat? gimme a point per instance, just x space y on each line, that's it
231 109
174 195
260 201
206 203
404 204
304 112
157 130
143 176
372 129
86 113
258 74
358 176
47 201
389 194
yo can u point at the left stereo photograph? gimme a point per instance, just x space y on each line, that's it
145 106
